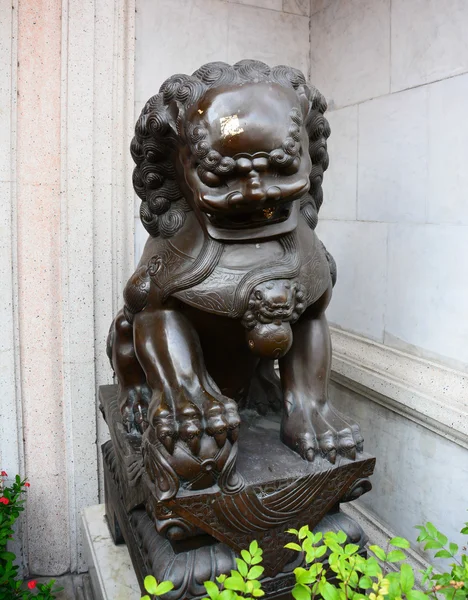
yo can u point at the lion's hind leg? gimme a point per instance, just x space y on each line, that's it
134 393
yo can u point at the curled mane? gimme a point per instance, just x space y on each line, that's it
163 208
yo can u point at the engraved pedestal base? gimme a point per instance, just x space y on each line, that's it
197 535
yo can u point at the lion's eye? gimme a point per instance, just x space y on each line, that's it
293 168
258 295
208 178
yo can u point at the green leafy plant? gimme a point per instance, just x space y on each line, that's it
155 588
356 577
12 587
335 570
243 583
453 585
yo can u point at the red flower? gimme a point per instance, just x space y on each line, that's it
4 500
27 484
4 474
32 584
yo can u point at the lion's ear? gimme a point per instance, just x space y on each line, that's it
304 93
176 111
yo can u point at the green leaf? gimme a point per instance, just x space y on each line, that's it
395 556
227 595
258 593
256 559
303 576
372 568
233 583
365 583
416 595
303 531
422 536
431 529
293 546
377 550
255 572
246 556
341 537
464 530
432 545
443 554
443 539
399 542
164 587
301 592
406 578
329 592
294 531
150 584
211 589
453 548
7 555
242 566
253 547
146 597
315 569
320 551
351 549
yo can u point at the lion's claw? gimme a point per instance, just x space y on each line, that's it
220 437
316 429
168 442
306 445
346 443
190 432
194 443
233 433
358 439
133 402
327 444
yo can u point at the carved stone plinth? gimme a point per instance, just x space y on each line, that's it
196 536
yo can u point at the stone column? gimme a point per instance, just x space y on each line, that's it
68 248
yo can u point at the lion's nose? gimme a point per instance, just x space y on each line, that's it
253 189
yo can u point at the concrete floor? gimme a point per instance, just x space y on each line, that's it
75 587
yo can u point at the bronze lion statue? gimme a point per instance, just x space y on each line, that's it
229 169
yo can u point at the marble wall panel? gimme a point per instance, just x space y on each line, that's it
429 41
427 292
359 249
393 150
448 151
350 50
340 179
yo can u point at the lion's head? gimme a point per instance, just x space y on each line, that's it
244 146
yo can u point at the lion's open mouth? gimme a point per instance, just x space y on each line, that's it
266 215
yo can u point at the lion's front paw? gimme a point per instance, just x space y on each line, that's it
193 439
318 430
133 403
191 420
